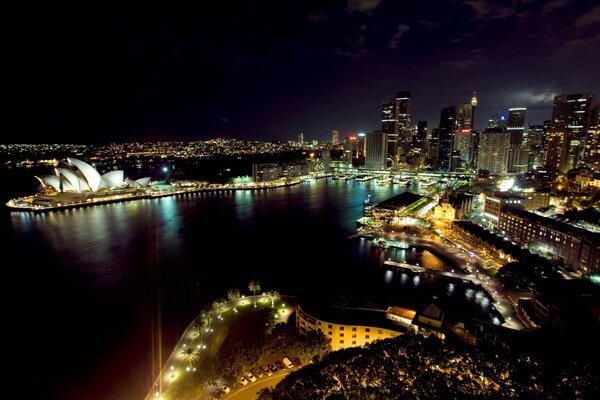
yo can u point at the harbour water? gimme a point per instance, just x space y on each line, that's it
98 287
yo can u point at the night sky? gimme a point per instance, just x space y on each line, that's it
90 72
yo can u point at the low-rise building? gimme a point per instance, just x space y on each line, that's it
575 247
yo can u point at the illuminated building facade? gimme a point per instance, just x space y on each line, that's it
350 327
568 130
575 247
493 151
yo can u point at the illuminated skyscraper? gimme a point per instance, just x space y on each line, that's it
395 124
335 137
376 150
446 137
516 124
493 150
568 130
518 155
301 139
592 141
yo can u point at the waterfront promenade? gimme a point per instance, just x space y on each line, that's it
29 203
176 376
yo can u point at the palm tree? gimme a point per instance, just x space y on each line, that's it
254 287
189 354
274 297
218 305
233 295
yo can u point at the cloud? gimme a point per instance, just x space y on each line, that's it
401 30
362 6
225 120
317 18
462 37
592 16
554 5
534 97
580 49
430 24
355 55
485 11
463 64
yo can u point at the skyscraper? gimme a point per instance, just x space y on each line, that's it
376 150
518 155
301 139
335 137
568 130
592 141
493 150
446 137
395 124
421 136
516 124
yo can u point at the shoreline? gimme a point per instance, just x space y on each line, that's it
20 204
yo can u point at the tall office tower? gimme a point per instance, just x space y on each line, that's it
349 146
301 139
568 130
518 155
536 135
421 136
376 150
446 137
361 149
404 127
493 150
497 121
335 137
389 126
592 141
463 140
395 124
516 124
536 139
433 147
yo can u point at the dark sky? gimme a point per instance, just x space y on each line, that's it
90 72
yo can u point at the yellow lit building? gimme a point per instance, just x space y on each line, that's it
444 212
351 327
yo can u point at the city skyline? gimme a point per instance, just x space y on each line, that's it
272 71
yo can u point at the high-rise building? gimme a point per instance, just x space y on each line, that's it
421 136
493 150
301 139
395 124
497 121
516 124
568 130
536 140
376 150
335 137
446 137
518 155
592 141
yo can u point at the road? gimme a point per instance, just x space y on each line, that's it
249 392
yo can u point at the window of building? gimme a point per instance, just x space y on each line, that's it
354 342
354 329
341 335
367 329
380 331
341 342
354 335
341 328
367 337
330 326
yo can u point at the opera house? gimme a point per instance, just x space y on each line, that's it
84 178
79 184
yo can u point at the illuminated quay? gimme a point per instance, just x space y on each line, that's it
83 186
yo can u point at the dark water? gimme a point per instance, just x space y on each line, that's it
89 287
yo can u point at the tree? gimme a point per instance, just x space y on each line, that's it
274 297
190 355
233 295
254 287
218 306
